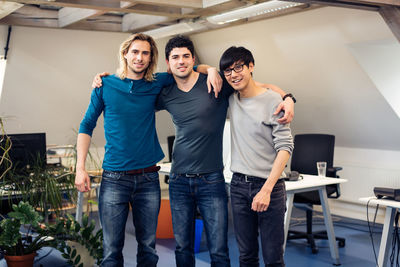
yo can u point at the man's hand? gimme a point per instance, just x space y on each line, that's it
214 80
261 201
288 106
97 82
82 181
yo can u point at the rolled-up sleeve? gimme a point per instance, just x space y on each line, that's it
281 134
93 112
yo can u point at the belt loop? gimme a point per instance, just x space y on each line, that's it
245 178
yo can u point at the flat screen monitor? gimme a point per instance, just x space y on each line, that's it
27 150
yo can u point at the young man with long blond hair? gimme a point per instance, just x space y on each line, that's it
132 149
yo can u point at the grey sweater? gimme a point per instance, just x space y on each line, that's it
256 135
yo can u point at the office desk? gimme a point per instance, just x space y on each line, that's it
308 183
386 239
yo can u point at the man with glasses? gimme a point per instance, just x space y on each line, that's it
261 147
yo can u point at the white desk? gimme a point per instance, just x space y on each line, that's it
387 231
308 183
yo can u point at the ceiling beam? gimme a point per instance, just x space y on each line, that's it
126 4
71 15
33 16
111 6
133 22
208 3
375 2
101 23
335 3
391 15
6 8
175 3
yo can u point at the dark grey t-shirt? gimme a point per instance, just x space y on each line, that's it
199 120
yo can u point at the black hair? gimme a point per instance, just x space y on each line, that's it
234 54
178 42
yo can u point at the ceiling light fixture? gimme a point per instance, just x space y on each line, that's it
251 11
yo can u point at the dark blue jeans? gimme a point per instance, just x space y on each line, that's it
142 191
208 193
248 223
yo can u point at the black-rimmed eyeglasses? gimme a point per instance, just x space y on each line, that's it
236 68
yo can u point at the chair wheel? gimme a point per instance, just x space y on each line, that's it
342 243
314 250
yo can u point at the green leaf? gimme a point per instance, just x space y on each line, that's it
73 254
65 256
77 259
85 220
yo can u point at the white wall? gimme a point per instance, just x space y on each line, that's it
381 61
47 83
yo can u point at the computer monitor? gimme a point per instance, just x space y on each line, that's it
27 150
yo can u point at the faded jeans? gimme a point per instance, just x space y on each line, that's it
208 193
117 190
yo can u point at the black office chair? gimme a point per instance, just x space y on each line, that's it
308 150
170 142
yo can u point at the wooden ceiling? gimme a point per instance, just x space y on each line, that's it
142 15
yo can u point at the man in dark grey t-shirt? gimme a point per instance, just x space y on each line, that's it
196 178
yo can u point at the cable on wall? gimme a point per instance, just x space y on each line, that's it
8 42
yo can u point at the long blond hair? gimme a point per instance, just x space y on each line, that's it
123 65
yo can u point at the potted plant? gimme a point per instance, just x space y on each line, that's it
16 247
78 243
21 248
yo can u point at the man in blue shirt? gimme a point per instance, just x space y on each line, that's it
132 149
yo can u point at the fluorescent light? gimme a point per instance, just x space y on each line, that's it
251 11
174 29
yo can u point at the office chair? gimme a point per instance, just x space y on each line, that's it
309 149
170 142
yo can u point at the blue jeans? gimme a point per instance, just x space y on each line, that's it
142 191
248 223
208 193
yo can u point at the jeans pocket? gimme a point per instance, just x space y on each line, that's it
212 178
151 176
279 191
235 180
111 176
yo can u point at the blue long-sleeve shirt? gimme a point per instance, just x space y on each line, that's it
129 121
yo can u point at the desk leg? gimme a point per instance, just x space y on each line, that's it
79 207
288 215
386 239
329 226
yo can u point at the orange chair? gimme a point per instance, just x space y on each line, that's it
164 227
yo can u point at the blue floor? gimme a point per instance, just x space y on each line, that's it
357 252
